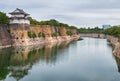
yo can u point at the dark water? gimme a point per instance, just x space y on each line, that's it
87 60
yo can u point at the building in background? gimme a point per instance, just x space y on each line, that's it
106 26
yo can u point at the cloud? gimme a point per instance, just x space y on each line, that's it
74 12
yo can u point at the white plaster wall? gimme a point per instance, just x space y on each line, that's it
19 21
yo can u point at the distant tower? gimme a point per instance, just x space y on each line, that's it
18 16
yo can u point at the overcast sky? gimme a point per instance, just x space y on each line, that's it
88 13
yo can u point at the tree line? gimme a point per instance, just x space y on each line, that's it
90 30
114 31
51 22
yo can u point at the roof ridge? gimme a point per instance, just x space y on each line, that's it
20 11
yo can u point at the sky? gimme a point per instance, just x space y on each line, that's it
80 13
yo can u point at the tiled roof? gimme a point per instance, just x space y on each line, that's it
18 11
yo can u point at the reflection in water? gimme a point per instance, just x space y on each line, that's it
118 63
17 61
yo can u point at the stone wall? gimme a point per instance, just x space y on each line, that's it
36 29
73 31
19 34
5 37
63 31
95 35
47 30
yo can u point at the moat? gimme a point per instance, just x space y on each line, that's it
90 59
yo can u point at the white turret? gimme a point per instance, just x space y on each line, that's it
18 16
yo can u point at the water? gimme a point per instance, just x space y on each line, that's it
88 60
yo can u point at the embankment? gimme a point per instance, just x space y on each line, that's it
22 34
5 37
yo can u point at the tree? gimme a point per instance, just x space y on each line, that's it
4 19
53 22
34 22
115 31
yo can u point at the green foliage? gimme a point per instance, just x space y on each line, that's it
43 35
31 34
34 22
4 19
3 73
43 23
73 27
39 34
51 22
90 30
69 33
115 31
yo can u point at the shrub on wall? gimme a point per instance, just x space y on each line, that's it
34 35
31 34
39 34
69 33
43 35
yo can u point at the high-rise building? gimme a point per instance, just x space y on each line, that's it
106 26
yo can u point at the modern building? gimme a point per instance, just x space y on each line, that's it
106 26
18 16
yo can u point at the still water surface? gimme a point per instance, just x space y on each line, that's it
88 60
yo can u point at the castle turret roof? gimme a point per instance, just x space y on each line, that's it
18 11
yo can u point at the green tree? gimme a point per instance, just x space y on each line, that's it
115 31
4 19
53 22
34 22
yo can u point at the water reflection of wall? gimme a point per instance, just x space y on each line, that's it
5 55
118 63
17 61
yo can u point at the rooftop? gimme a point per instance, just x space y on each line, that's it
18 11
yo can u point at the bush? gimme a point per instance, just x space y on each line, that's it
115 31
43 35
34 35
39 34
31 34
69 33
